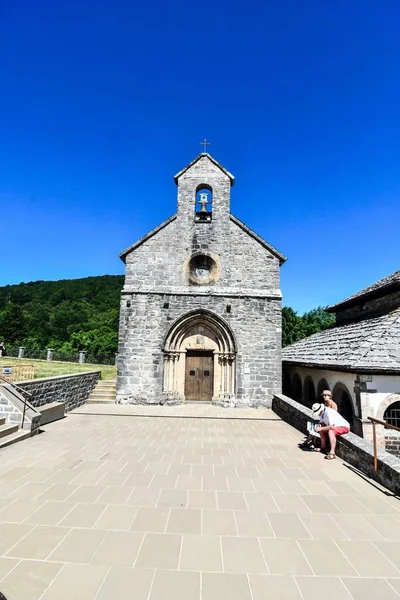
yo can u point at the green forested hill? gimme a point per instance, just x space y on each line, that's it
82 314
67 315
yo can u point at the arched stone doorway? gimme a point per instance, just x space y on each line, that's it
199 358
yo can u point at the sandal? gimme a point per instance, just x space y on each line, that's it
305 445
330 456
322 450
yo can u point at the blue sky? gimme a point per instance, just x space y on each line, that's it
103 102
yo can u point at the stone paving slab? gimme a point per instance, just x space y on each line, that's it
191 410
189 506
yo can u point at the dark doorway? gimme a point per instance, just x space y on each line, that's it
345 408
199 376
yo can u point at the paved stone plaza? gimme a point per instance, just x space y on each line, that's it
125 506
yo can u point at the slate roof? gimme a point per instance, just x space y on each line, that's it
377 289
367 346
143 239
259 239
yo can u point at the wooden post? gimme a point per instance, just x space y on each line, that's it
375 449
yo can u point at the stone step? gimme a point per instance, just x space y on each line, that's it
2 420
106 383
110 392
100 401
7 430
18 436
51 412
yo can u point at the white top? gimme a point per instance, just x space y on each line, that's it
329 416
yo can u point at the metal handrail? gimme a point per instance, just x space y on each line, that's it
17 387
386 426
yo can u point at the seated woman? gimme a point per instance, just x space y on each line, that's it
313 437
332 424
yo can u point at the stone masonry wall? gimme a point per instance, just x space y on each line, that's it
369 309
73 390
8 411
12 404
255 323
392 442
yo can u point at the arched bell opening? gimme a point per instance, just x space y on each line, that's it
199 358
203 202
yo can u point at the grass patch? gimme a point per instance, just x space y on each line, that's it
44 368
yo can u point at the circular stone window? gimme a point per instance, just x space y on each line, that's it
203 269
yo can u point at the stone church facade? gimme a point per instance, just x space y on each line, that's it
200 312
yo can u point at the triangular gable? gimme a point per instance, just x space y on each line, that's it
146 237
259 239
216 163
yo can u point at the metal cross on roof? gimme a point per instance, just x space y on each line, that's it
204 143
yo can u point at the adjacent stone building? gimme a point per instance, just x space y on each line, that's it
201 306
358 360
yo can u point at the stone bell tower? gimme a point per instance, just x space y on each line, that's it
201 306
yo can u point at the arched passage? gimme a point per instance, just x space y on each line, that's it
342 398
392 414
385 404
322 385
297 388
199 357
309 391
286 385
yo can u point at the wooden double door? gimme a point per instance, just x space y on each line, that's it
199 375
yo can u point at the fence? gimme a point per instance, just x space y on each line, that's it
59 355
17 372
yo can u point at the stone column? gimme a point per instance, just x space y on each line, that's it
231 361
167 368
50 353
82 357
21 351
175 358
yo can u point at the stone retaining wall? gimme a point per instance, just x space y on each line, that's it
73 390
392 443
351 448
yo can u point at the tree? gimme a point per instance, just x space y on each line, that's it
292 326
316 320
296 327
13 327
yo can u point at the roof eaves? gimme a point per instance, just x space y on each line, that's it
352 368
388 285
259 239
143 239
